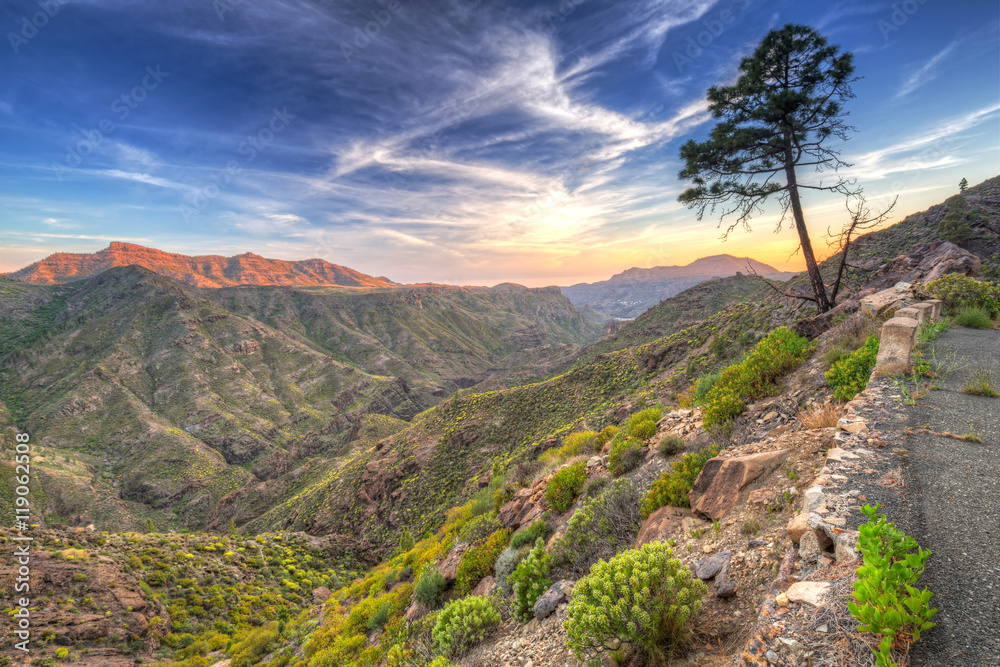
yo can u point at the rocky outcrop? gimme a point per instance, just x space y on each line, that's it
661 524
720 486
525 506
926 262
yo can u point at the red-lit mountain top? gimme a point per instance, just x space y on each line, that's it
202 270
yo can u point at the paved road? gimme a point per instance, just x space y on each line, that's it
951 505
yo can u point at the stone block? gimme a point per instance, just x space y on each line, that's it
924 312
898 337
878 303
721 483
936 305
909 312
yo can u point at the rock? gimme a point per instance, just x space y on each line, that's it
525 506
797 526
836 521
594 462
781 600
809 549
485 587
707 568
321 594
852 425
791 644
878 303
549 600
845 547
812 498
661 524
753 544
770 415
719 487
764 496
724 586
415 611
808 592
449 566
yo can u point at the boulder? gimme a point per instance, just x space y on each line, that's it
485 587
449 566
720 486
708 567
321 594
724 586
796 527
549 600
880 302
809 592
661 524
525 506
415 611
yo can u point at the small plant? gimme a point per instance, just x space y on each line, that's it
670 445
717 527
931 330
626 455
981 382
565 485
430 586
530 534
696 533
887 601
529 581
644 597
479 528
671 488
974 318
506 564
601 527
792 475
972 436
378 621
463 623
850 375
821 416
751 525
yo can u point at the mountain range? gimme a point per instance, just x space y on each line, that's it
630 293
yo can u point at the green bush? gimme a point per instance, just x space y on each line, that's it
478 561
973 318
583 442
601 527
565 485
507 562
644 597
649 414
626 455
888 603
594 486
643 430
671 488
529 581
754 377
958 291
430 586
850 375
671 444
529 534
704 385
463 623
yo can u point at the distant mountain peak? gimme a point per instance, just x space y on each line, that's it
201 270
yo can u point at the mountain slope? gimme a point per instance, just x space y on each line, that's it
202 270
631 292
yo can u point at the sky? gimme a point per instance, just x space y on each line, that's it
469 142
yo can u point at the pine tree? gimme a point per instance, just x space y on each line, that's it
962 185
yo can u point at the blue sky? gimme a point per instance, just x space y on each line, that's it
470 142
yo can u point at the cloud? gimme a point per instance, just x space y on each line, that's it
136 176
926 72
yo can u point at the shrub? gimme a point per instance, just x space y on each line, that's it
973 318
62 653
478 561
565 485
626 455
479 528
594 487
671 444
406 542
529 581
580 443
649 414
430 586
530 534
958 291
850 375
643 430
377 622
704 385
463 623
671 488
643 597
605 436
506 564
754 377
600 528
887 601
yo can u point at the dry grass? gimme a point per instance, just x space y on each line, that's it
821 416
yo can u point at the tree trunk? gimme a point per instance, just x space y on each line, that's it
822 300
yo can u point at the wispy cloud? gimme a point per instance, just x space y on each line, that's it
926 72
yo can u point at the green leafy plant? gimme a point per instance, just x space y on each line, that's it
643 430
778 353
888 603
430 586
671 488
958 291
530 534
564 486
644 597
463 623
626 455
506 563
478 561
850 375
529 581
